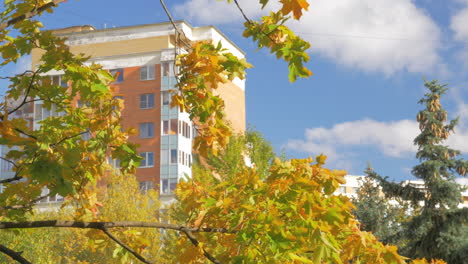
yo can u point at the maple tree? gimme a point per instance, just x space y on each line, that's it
283 212
123 202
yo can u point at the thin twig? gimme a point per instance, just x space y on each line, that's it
251 23
23 206
9 161
195 242
69 137
25 96
13 254
116 240
181 32
242 12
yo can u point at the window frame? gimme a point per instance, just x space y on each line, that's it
150 72
119 78
144 162
146 130
149 104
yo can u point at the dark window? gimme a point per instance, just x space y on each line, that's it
173 156
146 130
146 101
165 97
147 72
148 159
118 74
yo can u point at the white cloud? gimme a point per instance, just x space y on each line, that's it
217 12
458 25
393 139
371 35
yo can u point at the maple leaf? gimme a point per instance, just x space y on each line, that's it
294 6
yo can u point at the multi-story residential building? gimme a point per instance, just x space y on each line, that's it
143 56
353 183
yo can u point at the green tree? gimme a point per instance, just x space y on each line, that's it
377 213
438 228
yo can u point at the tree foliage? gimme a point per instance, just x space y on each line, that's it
121 201
269 213
379 214
438 227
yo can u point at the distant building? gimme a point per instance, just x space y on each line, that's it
353 183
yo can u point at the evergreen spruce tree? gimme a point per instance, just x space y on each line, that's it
376 213
438 228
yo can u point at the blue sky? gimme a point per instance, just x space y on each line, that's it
369 58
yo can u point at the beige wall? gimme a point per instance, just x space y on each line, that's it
124 47
234 100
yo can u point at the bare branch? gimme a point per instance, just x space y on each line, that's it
25 96
13 254
242 12
134 253
181 32
16 178
69 137
195 242
101 225
32 13
9 161
24 133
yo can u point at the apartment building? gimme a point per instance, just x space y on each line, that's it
354 182
142 58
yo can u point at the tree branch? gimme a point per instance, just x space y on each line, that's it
195 242
25 96
188 45
116 240
22 206
30 14
14 255
101 225
16 178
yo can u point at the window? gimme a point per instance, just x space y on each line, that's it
165 127
168 185
167 69
145 186
114 163
118 75
146 130
147 72
173 128
41 113
174 156
148 159
58 80
146 101
165 97
169 127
